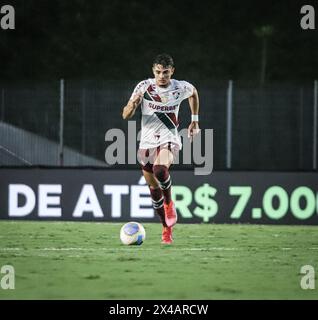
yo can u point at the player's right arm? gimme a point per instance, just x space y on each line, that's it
135 100
130 108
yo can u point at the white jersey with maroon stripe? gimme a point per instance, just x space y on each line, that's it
159 108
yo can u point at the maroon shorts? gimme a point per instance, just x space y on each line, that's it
147 157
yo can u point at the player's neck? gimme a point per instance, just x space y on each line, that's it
163 86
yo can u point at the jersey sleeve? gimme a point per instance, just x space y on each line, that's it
140 89
187 89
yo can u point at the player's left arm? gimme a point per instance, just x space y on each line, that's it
193 128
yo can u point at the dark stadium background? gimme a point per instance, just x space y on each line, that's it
118 39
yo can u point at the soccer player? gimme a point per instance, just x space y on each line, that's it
160 99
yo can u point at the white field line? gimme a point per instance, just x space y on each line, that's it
131 249
201 237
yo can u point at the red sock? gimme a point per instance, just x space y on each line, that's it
157 203
161 172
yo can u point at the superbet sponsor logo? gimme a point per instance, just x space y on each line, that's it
162 108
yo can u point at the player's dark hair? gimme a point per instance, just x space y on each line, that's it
164 59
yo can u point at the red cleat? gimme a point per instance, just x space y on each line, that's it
167 235
170 214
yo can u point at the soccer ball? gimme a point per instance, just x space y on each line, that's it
132 233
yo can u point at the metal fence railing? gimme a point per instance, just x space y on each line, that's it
269 128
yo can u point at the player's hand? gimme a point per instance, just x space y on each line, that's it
136 100
193 130
131 106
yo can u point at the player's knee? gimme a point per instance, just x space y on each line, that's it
154 185
161 172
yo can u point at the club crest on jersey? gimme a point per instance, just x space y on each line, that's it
176 94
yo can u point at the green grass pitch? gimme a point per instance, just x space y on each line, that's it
79 260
